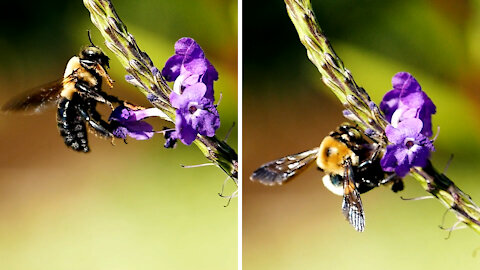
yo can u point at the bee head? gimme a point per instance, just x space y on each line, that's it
91 56
349 132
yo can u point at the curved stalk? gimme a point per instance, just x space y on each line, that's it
366 114
148 79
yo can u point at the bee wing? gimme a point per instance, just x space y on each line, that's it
36 100
352 207
283 169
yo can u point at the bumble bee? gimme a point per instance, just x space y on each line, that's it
351 165
76 96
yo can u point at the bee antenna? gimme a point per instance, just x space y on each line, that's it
90 38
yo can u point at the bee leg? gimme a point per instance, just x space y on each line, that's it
388 179
97 94
93 118
111 99
132 106
371 159
375 153
397 185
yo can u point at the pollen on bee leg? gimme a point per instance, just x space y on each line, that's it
105 75
110 81
132 106
355 160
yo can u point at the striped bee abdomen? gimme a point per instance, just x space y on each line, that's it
72 126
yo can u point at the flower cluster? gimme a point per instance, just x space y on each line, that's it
125 121
409 111
192 95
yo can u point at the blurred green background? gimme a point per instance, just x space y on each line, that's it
129 206
287 109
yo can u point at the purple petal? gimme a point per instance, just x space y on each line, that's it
425 115
172 67
401 153
192 93
406 82
405 113
150 112
388 161
123 114
120 132
191 79
177 100
185 132
208 78
206 123
390 103
127 122
421 157
403 167
394 135
412 100
410 127
120 114
196 66
209 93
195 92
211 74
188 46
139 130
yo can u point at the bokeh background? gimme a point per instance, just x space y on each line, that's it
287 109
128 206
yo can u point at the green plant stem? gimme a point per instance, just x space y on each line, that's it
147 78
367 115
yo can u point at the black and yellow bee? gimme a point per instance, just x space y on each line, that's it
351 164
76 96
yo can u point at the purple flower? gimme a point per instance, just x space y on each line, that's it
407 100
195 114
192 94
126 121
410 147
190 66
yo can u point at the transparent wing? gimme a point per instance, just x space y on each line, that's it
36 100
352 207
283 169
